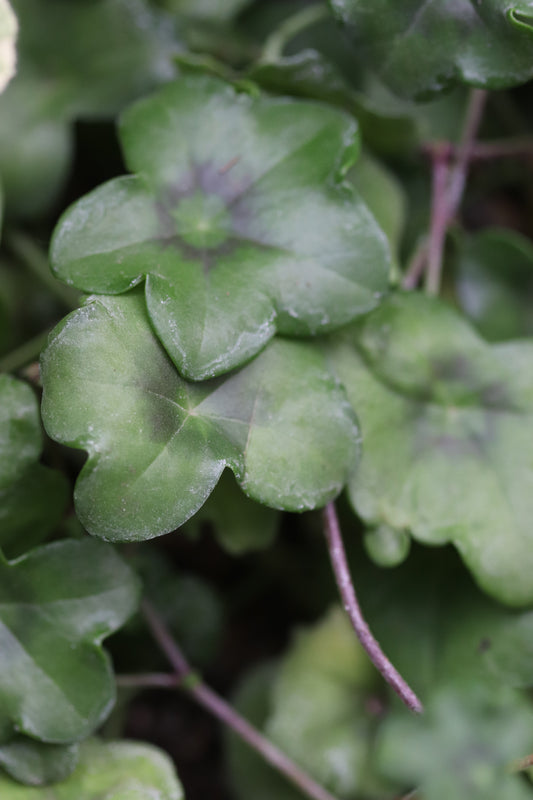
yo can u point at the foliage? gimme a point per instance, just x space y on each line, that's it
242 202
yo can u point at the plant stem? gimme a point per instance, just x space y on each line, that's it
207 698
416 268
439 219
521 763
347 592
291 27
147 680
448 183
27 352
459 171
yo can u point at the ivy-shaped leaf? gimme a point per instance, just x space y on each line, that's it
8 35
157 444
236 217
447 424
420 48
58 603
32 497
110 770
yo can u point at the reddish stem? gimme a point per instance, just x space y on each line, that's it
207 698
353 609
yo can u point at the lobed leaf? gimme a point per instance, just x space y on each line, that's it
447 424
236 218
158 444
420 48
58 603
111 770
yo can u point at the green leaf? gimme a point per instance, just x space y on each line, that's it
75 59
58 603
35 763
239 524
447 423
211 10
8 35
157 444
494 282
241 227
312 705
32 497
36 147
420 48
110 770
20 433
187 604
93 58
383 194
461 747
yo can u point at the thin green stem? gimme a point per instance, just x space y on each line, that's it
36 261
209 700
291 27
25 354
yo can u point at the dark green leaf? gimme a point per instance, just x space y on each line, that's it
447 424
420 48
239 524
35 763
158 444
20 432
213 10
58 603
32 497
494 282
238 220
35 147
93 58
110 770
187 604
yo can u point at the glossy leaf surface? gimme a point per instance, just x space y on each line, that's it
447 424
58 603
242 228
420 48
110 770
158 444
